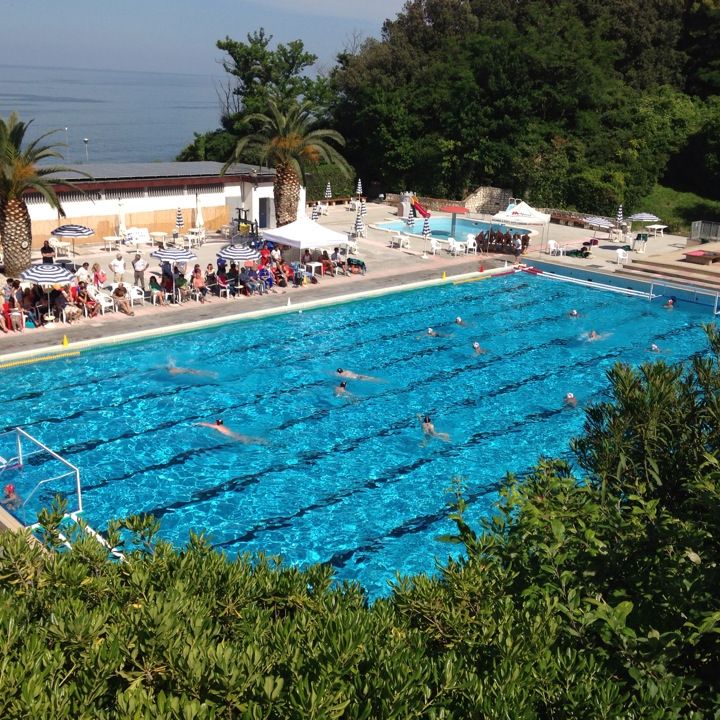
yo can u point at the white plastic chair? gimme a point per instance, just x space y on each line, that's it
470 244
554 249
434 245
622 256
136 294
102 299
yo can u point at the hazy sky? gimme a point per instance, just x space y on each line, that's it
174 35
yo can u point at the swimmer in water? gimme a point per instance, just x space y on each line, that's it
592 335
11 499
173 369
478 350
429 430
670 304
342 391
570 400
350 375
432 333
574 313
654 348
460 321
219 426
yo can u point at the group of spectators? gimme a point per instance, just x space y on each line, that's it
503 242
35 306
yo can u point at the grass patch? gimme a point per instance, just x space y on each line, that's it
678 209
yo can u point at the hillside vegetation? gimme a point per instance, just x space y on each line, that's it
582 104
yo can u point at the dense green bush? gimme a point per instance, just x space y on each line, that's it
578 599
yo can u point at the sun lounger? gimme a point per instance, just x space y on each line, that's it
702 257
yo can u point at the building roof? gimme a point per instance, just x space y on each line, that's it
156 170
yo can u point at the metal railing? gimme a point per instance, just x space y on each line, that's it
705 231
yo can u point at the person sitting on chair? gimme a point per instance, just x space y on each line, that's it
266 277
157 292
254 281
337 258
120 295
84 300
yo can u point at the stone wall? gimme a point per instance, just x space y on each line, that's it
488 200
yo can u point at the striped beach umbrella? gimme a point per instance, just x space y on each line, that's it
173 254
644 217
410 217
363 207
619 217
47 274
599 222
315 212
72 231
238 253
328 191
425 233
179 219
359 227
358 189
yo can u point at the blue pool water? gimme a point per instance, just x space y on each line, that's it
347 483
440 227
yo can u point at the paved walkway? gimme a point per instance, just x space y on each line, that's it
387 267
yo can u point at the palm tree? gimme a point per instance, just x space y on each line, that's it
19 172
287 140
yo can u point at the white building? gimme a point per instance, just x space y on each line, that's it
149 194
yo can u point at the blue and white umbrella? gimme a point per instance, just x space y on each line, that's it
358 189
598 222
619 217
328 191
315 212
72 231
238 253
644 218
410 219
363 207
359 227
173 255
47 274
426 234
179 219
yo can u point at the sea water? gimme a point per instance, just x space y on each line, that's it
126 116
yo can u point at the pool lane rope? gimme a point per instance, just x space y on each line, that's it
45 358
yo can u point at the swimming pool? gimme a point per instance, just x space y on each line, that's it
347 483
440 227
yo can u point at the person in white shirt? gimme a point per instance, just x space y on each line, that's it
139 266
118 268
82 274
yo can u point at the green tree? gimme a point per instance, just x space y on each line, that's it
19 172
290 141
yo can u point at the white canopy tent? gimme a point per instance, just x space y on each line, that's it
306 234
521 214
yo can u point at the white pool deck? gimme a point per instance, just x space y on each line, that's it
388 269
